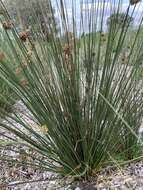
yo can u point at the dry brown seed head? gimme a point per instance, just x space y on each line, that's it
24 65
18 71
67 49
133 2
44 129
23 82
24 35
7 25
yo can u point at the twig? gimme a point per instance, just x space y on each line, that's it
28 181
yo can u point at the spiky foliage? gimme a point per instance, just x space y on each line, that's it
6 93
85 103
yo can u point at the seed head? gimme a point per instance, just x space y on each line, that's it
24 65
7 25
24 35
104 40
134 2
44 129
23 82
18 71
67 49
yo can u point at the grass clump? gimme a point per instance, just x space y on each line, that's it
86 104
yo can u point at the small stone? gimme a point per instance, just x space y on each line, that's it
77 188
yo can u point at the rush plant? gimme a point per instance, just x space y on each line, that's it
86 104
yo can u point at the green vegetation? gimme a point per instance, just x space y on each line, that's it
87 104
118 19
7 95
